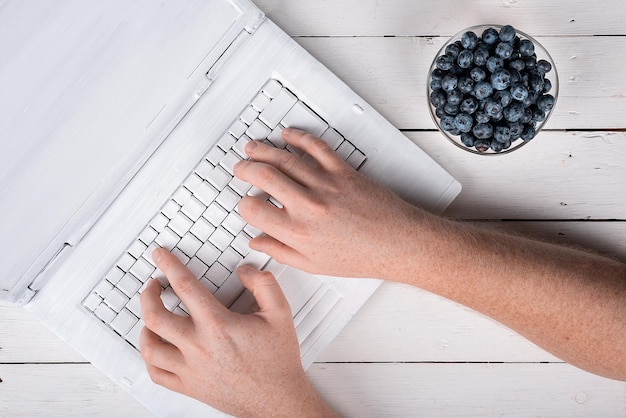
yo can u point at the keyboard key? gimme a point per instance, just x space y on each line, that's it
236 130
129 285
256 259
103 288
193 209
228 199
137 248
148 254
134 305
221 238
178 311
134 333
258 193
332 138
208 254
278 108
272 88
204 169
240 146
170 208
227 141
170 299
252 231
215 155
217 274
260 102
92 301
105 313
116 300
241 244
167 239
181 196
197 267
302 117
234 223
258 130
208 285
182 257
114 275
124 322
239 186
276 137
148 235
159 276
159 222
202 229
205 193
219 178
345 149
228 162
356 159
126 262
230 259
230 290
215 214
192 182
249 115
142 269
189 244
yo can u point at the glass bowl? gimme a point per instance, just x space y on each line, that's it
506 121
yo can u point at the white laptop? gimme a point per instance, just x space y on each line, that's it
121 122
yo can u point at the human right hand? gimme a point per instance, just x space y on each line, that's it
334 220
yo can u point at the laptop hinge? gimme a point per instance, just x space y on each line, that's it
35 285
245 34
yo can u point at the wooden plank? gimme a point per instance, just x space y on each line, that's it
410 18
561 175
467 390
390 74
356 390
63 390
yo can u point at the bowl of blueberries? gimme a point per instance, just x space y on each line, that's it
491 89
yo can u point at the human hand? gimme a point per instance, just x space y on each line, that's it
334 220
245 365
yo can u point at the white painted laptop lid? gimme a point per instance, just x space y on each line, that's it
79 115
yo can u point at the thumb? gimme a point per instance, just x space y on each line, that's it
266 290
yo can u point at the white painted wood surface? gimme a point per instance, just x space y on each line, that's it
410 353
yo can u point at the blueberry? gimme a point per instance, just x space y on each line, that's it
531 99
544 66
465 85
519 92
480 56
440 112
482 90
500 79
514 112
469 40
516 77
482 145
502 133
493 107
504 50
527 116
468 105
535 83
481 117
453 50
494 64
451 109
507 33
465 58
438 74
463 122
504 96
447 123
477 73
538 114
490 36
530 62
528 133
445 62
526 48
515 129
546 102
438 98
455 97
449 82
468 139
483 130
496 145
547 85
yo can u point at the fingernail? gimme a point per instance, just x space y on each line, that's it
251 146
244 269
157 255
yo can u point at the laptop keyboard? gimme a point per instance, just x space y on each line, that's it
200 223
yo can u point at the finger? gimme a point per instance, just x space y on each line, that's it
159 353
265 288
288 163
315 147
269 179
164 378
262 215
186 286
279 251
157 318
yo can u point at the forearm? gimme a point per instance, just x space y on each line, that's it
569 302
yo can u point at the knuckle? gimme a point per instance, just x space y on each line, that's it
152 319
266 174
286 162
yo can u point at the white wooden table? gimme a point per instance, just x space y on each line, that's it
409 353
